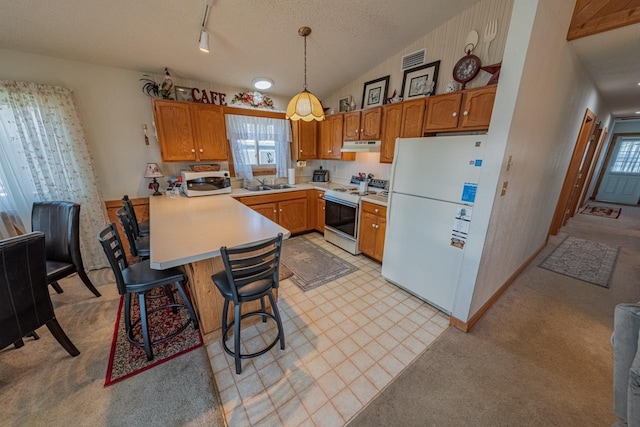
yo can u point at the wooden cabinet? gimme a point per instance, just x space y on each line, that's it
391 128
465 110
190 131
373 226
412 118
320 207
305 138
331 130
362 125
289 209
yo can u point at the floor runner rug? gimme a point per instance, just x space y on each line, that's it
602 211
312 266
127 360
584 260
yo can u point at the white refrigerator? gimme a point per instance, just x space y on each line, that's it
431 196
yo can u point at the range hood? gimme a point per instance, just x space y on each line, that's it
360 147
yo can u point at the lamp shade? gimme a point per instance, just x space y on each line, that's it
153 171
305 106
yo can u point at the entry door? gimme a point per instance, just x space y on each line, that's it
621 181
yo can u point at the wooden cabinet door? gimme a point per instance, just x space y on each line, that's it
305 139
370 123
320 208
211 134
443 112
292 215
351 126
325 138
412 118
381 230
477 108
391 127
367 242
270 210
174 127
336 137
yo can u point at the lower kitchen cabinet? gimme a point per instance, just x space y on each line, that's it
320 207
373 226
290 209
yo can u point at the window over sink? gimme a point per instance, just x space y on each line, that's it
258 143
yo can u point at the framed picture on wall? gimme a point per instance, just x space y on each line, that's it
375 92
183 93
420 81
345 103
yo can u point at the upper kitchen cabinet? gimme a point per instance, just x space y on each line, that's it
465 110
362 125
391 127
412 117
190 131
331 134
305 137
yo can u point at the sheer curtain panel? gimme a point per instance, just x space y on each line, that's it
249 128
44 156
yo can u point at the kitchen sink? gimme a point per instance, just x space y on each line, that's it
281 186
258 188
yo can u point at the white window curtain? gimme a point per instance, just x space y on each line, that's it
44 157
242 128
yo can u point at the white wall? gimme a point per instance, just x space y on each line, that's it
551 100
446 44
113 109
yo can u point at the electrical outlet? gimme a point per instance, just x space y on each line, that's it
504 188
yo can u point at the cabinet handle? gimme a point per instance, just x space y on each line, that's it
201 150
193 150
455 114
466 113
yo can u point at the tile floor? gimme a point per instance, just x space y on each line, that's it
345 341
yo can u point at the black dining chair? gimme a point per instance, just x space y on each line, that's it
140 279
141 228
25 304
139 246
60 223
251 273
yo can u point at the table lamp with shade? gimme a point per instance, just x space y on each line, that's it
153 171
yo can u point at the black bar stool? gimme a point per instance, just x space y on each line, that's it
251 273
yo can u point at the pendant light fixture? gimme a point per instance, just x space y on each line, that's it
305 106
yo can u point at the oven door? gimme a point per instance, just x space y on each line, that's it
341 216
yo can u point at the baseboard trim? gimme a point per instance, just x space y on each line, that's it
466 326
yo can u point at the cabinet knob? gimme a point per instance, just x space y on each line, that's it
454 114
323 208
357 131
329 151
301 151
373 225
280 210
193 150
201 150
466 113
375 210
361 130
275 211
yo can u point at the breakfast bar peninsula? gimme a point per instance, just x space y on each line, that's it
189 232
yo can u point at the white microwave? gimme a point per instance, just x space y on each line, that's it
205 183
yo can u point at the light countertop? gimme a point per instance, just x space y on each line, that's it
189 229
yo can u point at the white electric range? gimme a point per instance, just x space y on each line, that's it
342 213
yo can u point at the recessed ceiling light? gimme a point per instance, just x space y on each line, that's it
262 83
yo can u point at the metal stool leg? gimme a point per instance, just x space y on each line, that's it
145 326
236 339
276 314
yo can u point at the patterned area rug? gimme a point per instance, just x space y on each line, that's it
584 260
312 266
127 360
602 211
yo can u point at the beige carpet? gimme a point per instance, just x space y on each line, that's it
41 385
540 357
